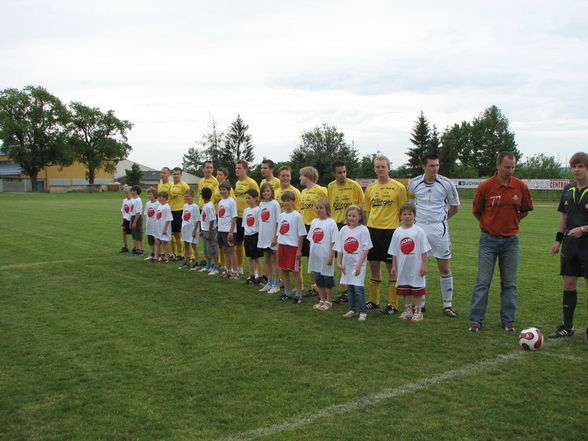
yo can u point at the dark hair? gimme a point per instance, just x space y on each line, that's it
500 157
163 194
206 162
223 170
206 193
177 169
337 163
427 156
579 158
225 184
271 164
136 189
288 196
190 192
408 206
243 163
166 168
267 185
252 192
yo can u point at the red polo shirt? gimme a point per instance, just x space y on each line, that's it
500 206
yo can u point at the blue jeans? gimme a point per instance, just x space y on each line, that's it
356 298
506 249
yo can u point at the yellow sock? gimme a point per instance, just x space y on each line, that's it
221 258
179 246
240 250
392 296
374 291
342 288
312 280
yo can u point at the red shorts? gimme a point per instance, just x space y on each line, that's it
407 290
287 258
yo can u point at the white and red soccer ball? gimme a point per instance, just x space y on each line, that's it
531 339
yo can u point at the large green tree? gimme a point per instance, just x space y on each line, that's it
319 147
540 166
238 145
420 137
33 126
98 140
455 143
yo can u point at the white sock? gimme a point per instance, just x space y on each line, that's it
447 290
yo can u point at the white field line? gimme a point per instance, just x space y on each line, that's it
370 400
565 357
48 262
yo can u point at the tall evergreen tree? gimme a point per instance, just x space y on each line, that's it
211 150
421 138
237 145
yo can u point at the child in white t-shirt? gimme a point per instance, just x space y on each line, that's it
352 250
290 235
125 223
322 235
190 229
227 229
269 211
137 220
163 220
208 225
251 235
409 247
149 213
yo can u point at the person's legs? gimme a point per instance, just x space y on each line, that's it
353 306
374 282
487 255
508 262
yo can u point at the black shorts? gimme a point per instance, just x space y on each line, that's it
240 230
126 226
251 249
150 240
223 239
380 243
574 257
177 222
306 243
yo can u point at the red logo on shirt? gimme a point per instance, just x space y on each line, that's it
204 215
150 212
284 227
407 245
159 214
351 245
187 216
317 235
250 220
127 208
265 215
221 211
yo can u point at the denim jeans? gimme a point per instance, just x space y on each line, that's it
356 298
506 249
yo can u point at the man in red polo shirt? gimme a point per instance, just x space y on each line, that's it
499 204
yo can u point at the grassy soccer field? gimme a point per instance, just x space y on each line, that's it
101 346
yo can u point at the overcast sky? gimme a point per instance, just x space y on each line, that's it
367 67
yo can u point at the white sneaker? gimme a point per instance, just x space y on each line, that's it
417 317
201 270
407 314
265 288
274 290
213 272
240 271
349 314
148 258
362 317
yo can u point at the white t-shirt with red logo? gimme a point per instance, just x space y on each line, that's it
190 219
126 209
207 216
290 228
163 215
322 235
352 243
137 207
149 213
268 223
227 210
408 245
251 221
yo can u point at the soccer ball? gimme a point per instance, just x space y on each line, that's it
531 339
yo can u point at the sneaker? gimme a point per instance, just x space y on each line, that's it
297 300
259 281
124 250
341 299
265 288
389 310
508 326
310 293
240 271
202 270
178 258
362 317
274 290
349 314
372 305
417 317
213 272
163 260
423 309
234 277
475 327
250 280
406 315
186 265
149 258
139 253
319 305
225 275
202 263
561 332
449 312
172 257
285 298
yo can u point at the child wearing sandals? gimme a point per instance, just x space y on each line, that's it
409 247
352 249
322 235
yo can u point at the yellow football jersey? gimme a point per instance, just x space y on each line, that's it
211 183
278 195
342 196
383 201
275 183
308 198
241 188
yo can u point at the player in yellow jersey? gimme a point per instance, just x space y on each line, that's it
243 184
176 203
208 181
343 192
285 185
267 171
308 178
383 200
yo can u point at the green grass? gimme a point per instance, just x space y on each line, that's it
101 346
